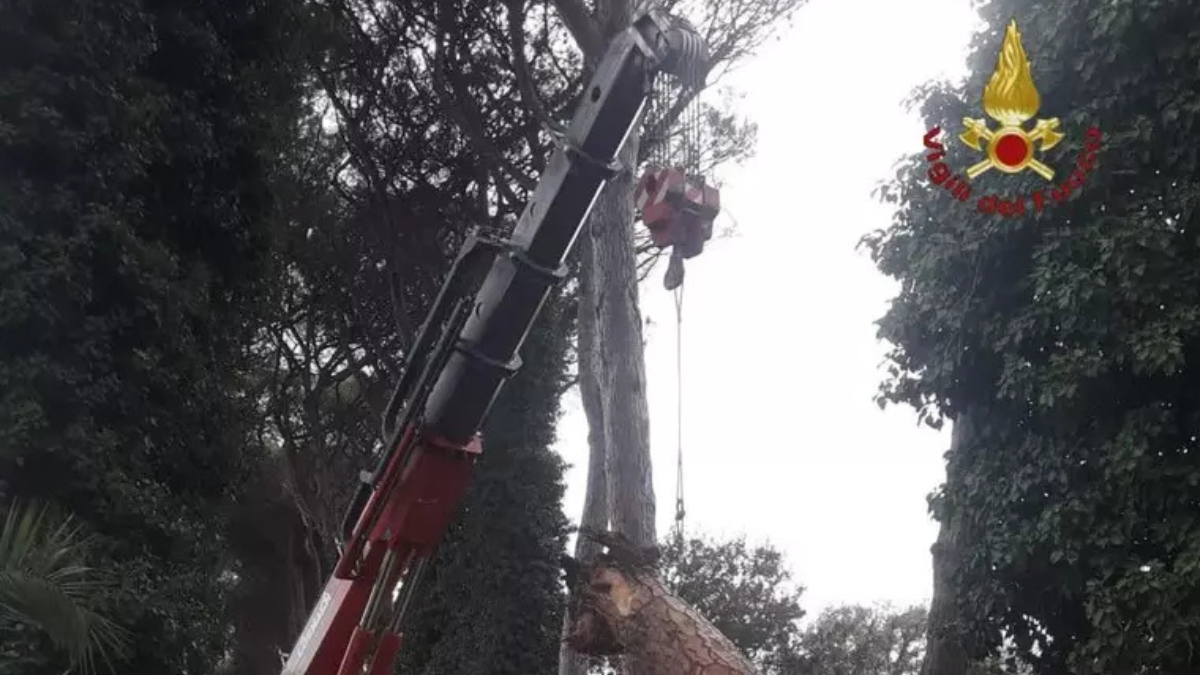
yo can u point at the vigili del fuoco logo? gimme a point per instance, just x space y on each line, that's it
1011 100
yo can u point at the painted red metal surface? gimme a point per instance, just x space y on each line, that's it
678 210
408 511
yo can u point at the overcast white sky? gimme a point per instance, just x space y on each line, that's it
782 440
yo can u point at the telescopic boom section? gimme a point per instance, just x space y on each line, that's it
467 349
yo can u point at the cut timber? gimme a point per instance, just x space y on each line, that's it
620 607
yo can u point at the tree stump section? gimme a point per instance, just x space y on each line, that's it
620 607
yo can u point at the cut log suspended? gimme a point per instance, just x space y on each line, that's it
620 607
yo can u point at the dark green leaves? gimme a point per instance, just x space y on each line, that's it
135 155
746 591
1076 333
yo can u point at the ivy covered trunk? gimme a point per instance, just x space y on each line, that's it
945 654
622 608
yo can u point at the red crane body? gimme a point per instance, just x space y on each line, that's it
465 351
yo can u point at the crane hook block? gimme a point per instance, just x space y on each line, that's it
677 209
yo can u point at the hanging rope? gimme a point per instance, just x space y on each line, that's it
680 512
680 147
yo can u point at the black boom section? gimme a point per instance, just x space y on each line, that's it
520 278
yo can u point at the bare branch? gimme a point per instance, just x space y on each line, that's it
583 28
737 28
352 133
614 15
567 385
647 262
456 101
554 60
529 94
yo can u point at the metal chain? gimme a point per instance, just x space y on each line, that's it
697 132
680 512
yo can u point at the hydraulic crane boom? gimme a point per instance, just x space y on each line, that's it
466 350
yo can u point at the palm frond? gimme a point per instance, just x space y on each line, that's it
45 583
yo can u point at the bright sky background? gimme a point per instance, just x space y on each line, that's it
782 440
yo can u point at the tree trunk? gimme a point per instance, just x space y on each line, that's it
612 377
620 367
275 584
623 609
612 369
595 500
945 654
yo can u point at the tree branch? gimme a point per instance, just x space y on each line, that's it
567 385
582 27
613 16
529 94
456 102
654 137
646 264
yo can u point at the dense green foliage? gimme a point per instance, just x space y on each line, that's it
136 146
220 227
1074 336
860 640
190 276
748 594
746 591
497 583
378 204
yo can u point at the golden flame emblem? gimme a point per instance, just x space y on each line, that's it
1011 99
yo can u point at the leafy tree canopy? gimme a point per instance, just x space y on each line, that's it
745 590
1073 334
861 640
136 148
383 185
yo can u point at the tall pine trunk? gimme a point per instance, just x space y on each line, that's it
595 499
612 368
619 363
612 376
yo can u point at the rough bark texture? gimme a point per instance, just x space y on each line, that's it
595 500
620 366
945 654
612 378
621 608
612 370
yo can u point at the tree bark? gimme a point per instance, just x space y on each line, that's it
620 366
945 654
624 609
612 370
612 377
595 500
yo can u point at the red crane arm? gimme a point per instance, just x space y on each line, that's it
465 351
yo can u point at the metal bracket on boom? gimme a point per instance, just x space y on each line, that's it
422 363
464 275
